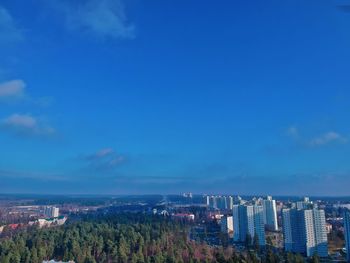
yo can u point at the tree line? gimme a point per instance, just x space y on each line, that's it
122 238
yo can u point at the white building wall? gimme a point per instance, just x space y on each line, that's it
309 233
250 220
55 212
320 233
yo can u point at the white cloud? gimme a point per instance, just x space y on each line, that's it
326 138
27 125
8 31
12 89
103 18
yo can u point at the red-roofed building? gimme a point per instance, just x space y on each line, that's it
13 226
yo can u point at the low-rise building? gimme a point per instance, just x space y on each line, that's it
47 222
184 216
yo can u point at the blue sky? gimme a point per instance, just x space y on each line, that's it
130 96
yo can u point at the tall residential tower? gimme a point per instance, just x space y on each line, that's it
270 214
248 220
304 231
347 234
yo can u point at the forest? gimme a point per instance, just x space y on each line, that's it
122 238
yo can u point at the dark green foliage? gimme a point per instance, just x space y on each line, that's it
134 238
293 258
248 241
256 243
128 238
315 259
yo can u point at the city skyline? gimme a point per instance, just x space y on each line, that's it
129 97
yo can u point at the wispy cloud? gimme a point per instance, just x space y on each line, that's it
315 141
100 154
327 138
102 18
103 159
26 125
13 89
293 132
117 160
9 32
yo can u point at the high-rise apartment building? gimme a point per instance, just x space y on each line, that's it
270 214
207 200
347 234
226 224
304 204
319 220
219 202
230 202
51 211
304 231
248 220
212 202
55 212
